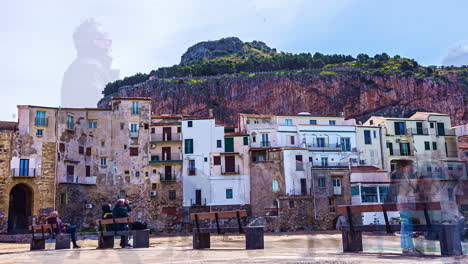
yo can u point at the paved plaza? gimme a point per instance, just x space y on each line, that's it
305 248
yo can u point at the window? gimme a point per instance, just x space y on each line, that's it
133 151
24 167
41 118
63 198
219 143
399 128
189 146
369 194
367 137
135 109
117 107
371 122
179 129
324 161
291 138
434 145
133 128
127 172
256 122
172 194
288 122
88 151
70 122
375 133
205 159
122 126
390 148
122 194
292 204
80 150
405 149
246 141
190 124
345 144
92 124
427 145
275 186
191 164
154 186
137 174
103 161
331 205
384 195
320 142
248 121
354 190
39 132
332 122
88 171
229 193
62 147
312 122
321 182
450 194
432 124
217 160
103 143
125 146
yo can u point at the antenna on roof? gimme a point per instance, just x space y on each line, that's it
13 115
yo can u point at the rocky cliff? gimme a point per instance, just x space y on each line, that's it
356 94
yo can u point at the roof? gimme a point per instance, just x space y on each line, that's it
366 169
196 117
235 134
167 116
66 108
416 116
257 115
5 125
130 98
463 145
293 148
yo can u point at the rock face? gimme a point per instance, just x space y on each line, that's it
218 48
354 94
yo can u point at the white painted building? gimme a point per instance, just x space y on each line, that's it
215 172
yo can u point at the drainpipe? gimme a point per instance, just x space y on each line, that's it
382 159
55 165
313 192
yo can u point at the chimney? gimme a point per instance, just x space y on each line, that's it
210 112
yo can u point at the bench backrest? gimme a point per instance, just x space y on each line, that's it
43 227
388 207
123 220
222 214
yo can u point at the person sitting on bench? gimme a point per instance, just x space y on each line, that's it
107 214
121 209
53 218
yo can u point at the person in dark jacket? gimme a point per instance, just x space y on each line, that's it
121 209
63 227
107 214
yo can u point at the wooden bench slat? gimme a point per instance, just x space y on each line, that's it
40 227
394 228
221 214
123 220
389 207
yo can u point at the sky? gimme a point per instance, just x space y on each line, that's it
36 45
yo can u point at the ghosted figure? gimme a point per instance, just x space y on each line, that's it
89 73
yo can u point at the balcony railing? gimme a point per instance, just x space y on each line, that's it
166 137
134 134
417 131
326 147
234 170
337 190
452 154
192 171
400 152
265 144
22 172
445 132
299 166
88 180
202 202
165 157
328 165
168 178
42 121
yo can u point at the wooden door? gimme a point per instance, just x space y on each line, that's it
166 153
230 163
167 136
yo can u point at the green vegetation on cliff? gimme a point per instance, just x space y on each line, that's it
232 56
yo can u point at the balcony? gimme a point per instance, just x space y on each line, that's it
417 131
201 202
192 171
326 147
41 121
133 134
330 165
166 157
167 178
88 180
230 171
24 172
452 154
445 132
265 144
400 152
337 190
172 137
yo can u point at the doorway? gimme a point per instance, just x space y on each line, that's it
20 209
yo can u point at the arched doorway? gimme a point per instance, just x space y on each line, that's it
20 209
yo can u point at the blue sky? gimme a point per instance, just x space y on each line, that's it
36 46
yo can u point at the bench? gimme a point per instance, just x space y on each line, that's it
106 238
201 236
45 231
450 243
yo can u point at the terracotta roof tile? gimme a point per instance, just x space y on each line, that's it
4 125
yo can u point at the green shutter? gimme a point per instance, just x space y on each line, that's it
246 141
189 146
229 144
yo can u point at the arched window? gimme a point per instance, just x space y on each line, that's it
275 185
